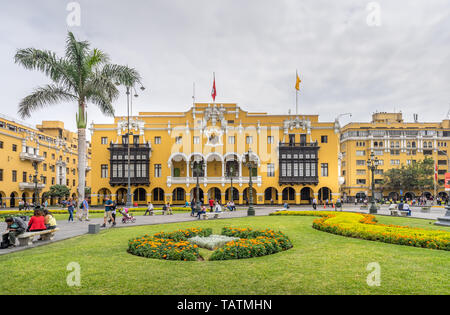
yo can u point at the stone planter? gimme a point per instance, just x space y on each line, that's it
364 207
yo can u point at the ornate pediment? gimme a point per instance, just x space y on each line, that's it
135 125
214 136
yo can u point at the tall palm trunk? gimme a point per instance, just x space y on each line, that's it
81 164
81 124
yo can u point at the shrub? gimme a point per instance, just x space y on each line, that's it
365 226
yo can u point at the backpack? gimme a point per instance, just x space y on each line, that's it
164 207
81 206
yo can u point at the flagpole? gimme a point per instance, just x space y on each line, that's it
296 95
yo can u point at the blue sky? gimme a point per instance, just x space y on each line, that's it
254 47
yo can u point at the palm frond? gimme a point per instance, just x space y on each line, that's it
102 101
44 96
76 54
45 61
123 75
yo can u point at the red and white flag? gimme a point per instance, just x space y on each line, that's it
435 172
214 92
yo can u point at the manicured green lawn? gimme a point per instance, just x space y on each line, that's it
319 263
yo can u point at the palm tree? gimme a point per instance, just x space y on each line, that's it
82 75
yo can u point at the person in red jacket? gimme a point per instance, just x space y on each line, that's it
37 222
211 204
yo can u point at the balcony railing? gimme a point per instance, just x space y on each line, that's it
31 157
257 180
299 144
133 181
23 186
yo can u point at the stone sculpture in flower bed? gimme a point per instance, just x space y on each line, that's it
234 243
212 242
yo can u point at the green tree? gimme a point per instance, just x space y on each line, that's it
59 191
82 76
415 176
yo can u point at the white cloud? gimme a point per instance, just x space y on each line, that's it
254 47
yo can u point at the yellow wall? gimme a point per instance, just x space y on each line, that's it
44 136
240 124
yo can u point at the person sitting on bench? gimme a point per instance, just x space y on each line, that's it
202 211
15 227
406 208
37 222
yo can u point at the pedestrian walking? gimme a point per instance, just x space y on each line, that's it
314 204
108 212
70 208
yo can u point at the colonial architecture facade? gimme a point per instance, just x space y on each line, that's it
48 150
395 143
295 158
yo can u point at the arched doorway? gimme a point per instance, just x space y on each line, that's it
140 196
25 197
324 194
288 195
270 195
235 195
12 199
215 194
200 194
179 196
158 195
306 195
427 195
121 196
2 199
246 195
394 196
410 196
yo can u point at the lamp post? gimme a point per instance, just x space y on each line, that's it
372 164
129 202
251 165
34 179
197 167
230 174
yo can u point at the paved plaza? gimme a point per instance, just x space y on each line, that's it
77 228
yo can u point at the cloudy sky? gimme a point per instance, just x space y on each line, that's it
352 55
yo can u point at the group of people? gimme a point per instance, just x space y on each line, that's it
41 220
167 209
83 209
214 206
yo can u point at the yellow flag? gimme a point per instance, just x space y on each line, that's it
297 84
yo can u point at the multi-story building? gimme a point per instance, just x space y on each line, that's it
394 142
48 150
295 156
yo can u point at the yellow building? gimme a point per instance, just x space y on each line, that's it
295 156
47 148
394 142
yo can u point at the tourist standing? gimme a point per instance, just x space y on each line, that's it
70 208
169 209
314 203
211 204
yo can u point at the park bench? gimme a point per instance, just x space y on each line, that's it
216 215
26 238
399 213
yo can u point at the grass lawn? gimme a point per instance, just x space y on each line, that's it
319 263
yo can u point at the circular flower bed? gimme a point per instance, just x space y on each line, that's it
252 243
170 246
248 243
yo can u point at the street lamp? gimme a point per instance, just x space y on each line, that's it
372 164
34 179
251 165
230 175
129 202
197 166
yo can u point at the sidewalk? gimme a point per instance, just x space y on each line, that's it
77 228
